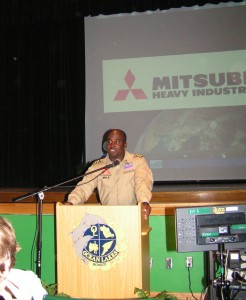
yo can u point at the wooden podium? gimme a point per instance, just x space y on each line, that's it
102 251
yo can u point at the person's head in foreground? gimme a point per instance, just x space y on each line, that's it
15 283
8 248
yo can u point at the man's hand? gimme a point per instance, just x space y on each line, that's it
67 203
146 209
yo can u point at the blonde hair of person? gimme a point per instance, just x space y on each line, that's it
8 244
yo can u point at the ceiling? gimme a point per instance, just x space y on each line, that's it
40 11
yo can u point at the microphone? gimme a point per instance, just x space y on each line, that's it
115 163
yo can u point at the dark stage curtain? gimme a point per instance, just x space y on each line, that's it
42 92
42 102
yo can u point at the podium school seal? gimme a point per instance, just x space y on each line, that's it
99 243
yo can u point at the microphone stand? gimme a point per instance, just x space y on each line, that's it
40 197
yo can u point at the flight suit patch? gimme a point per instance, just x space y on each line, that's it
105 175
128 166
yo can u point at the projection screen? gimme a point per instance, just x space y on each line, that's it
175 82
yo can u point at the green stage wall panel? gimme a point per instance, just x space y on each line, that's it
162 246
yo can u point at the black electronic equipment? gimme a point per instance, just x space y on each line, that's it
204 228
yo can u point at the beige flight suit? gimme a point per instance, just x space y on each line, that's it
126 184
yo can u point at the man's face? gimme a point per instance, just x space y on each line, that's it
115 145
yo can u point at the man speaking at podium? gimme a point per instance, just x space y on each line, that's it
123 178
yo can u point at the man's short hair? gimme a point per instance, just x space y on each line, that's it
106 134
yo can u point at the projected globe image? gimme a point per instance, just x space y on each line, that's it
192 133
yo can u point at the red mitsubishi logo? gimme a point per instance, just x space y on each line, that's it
137 93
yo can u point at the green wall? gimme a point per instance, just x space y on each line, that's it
25 229
162 245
